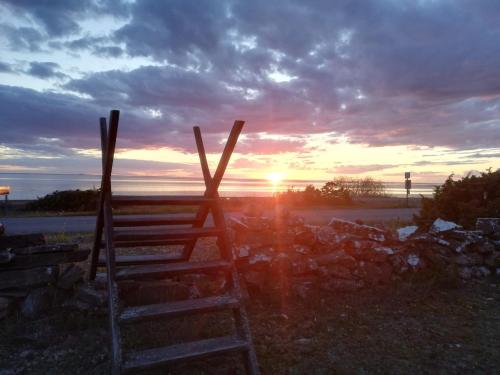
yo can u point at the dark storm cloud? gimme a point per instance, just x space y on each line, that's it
61 17
5 68
44 70
379 72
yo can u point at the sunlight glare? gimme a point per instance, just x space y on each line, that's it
275 177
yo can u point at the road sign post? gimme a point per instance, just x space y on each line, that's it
407 187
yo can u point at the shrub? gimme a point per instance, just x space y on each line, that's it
360 187
463 200
68 200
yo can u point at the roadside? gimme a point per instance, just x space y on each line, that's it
74 224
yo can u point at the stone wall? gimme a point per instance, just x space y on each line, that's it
286 255
35 276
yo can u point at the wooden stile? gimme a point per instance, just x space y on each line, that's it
163 230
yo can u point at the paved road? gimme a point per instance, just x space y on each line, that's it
69 224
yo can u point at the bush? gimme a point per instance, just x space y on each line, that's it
68 200
360 187
463 200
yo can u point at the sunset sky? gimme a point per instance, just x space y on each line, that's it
327 88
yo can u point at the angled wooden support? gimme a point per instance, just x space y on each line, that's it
239 312
100 218
211 184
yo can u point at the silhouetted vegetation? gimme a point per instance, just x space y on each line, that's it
68 200
339 191
463 200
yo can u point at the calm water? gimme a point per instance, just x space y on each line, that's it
31 185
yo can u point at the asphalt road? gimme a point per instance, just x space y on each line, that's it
71 224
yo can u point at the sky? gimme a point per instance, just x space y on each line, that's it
327 88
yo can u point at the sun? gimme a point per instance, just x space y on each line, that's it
275 177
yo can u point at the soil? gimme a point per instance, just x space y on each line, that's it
411 328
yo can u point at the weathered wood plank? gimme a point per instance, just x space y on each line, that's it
22 240
151 358
134 221
120 244
171 269
41 249
190 306
31 277
159 200
131 260
164 234
45 259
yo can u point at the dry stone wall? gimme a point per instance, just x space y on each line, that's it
286 255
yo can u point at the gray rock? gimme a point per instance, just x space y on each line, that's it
471 259
439 225
339 258
342 285
465 272
91 296
493 259
490 226
37 302
6 256
5 306
70 276
305 237
338 272
480 272
358 230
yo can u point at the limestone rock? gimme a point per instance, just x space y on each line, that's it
490 226
342 285
405 232
440 225
6 256
70 276
363 231
337 258
38 301
91 296
5 306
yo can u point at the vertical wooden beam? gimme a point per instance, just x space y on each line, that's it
100 218
116 349
211 184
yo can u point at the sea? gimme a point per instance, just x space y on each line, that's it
26 186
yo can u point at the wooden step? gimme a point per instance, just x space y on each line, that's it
158 271
160 200
145 243
131 260
151 358
190 306
164 234
151 220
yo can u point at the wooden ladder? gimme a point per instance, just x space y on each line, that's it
131 231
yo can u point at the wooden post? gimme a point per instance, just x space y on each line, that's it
116 351
100 218
212 184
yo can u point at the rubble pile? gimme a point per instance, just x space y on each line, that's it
35 276
284 254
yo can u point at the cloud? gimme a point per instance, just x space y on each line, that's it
5 68
44 70
358 169
378 73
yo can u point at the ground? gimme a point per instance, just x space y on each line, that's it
412 328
